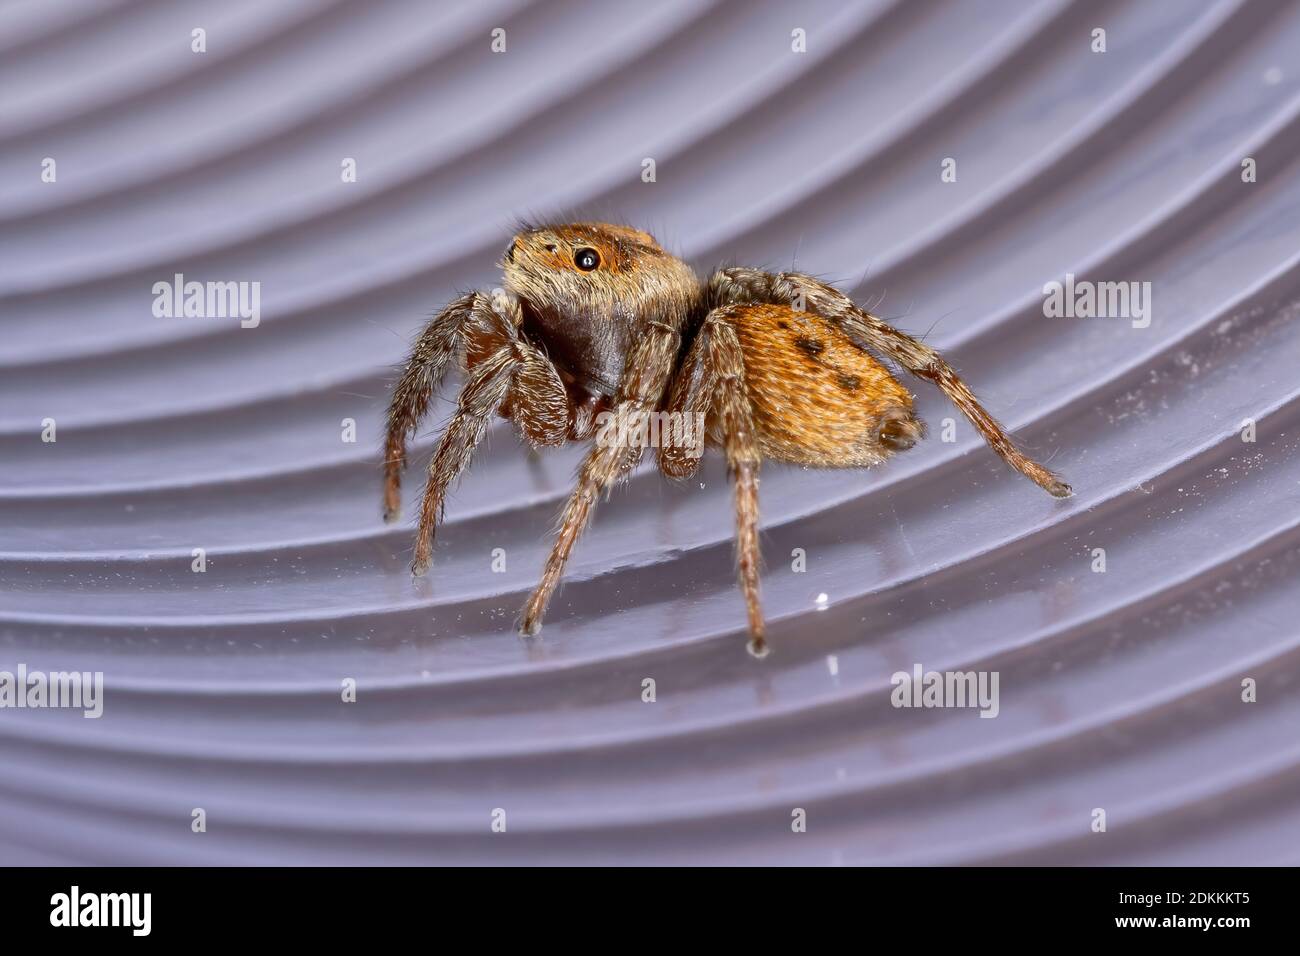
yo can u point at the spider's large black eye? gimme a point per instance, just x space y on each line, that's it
586 259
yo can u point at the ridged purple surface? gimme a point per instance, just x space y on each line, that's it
1119 690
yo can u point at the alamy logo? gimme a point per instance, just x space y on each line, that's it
1083 299
76 690
102 909
652 430
923 688
208 300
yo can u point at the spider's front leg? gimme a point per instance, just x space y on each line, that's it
438 343
644 381
502 369
803 292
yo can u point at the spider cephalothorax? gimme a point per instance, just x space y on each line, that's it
587 291
596 318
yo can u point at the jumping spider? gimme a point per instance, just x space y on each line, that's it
596 318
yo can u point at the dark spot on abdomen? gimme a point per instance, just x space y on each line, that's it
809 347
850 383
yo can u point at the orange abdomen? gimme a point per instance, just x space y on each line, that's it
817 398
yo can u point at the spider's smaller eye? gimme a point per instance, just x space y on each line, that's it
586 259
